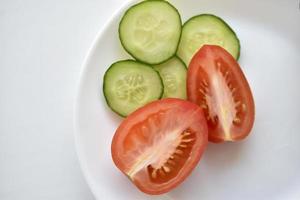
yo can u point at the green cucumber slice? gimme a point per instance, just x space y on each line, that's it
206 29
173 73
150 31
129 85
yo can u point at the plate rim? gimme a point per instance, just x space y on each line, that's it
79 85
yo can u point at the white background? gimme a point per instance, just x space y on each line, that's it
42 47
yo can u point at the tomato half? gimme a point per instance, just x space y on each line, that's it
159 145
216 82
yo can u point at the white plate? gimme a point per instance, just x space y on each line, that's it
264 166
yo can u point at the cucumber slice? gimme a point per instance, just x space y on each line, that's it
150 31
173 73
129 85
206 29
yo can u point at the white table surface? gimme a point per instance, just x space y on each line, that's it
42 47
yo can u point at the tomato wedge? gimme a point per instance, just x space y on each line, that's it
159 145
216 82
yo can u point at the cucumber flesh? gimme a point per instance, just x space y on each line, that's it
206 29
129 85
173 73
150 31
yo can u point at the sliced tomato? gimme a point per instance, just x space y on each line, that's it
216 82
159 145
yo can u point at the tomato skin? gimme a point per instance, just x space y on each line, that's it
123 157
203 66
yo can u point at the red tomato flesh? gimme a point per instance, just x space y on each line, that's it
216 83
159 145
